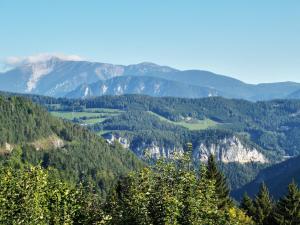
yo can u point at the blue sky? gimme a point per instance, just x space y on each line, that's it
252 40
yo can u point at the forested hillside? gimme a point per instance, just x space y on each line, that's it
245 136
275 177
74 180
273 125
78 154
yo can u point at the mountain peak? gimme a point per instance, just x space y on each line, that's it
147 64
40 58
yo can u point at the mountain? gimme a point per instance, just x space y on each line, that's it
55 77
276 177
59 77
229 87
78 154
269 91
141 85
294 95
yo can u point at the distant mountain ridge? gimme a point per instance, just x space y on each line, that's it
295 95
60 77
141 85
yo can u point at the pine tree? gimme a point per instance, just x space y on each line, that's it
287 210
263 206
222 188
247 205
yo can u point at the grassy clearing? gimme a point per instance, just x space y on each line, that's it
73 115
191 124
89 116
103 110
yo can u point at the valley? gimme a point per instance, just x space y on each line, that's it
156 112
95 142
246 137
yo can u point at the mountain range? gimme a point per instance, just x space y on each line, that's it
80 79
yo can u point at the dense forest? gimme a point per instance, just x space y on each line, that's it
275 177
272 127
167 193
55 172
78 154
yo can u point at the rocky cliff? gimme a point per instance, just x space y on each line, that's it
229 150
226 150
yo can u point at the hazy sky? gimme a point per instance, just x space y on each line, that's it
252 40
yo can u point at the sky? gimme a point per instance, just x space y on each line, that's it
252 40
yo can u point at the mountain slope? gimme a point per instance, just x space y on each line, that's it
78 154
245 136
294 95
229 87
141 85
57 77
276 177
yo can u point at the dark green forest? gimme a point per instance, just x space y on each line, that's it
83 180
80 156
272 127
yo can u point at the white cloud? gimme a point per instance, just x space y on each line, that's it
16 60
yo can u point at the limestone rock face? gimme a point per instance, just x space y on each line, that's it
111 138
229 150
155 151
226 150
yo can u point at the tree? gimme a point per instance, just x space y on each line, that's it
287 211
221 185
169 194
263 206
35 196
247 205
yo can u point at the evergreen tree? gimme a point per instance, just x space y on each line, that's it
247 205
169 194
263 206
222 188
287 210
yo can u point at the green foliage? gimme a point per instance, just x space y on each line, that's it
247 205
29 120
82 156
222 189
287 210
170 193
264 212
271 127
32 196
263 205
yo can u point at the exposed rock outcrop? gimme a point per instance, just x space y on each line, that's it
226 150
111 138
51 142
229 150
156 151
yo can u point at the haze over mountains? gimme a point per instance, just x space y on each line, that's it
61 77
